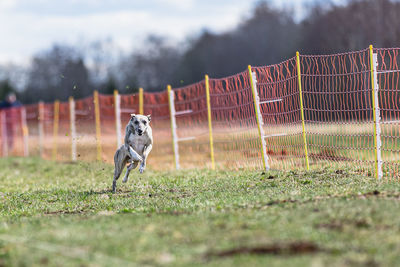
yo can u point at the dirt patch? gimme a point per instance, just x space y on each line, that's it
331 226
370 194
173 212
70 162
294 248
277 202
329 154
57 212
339 225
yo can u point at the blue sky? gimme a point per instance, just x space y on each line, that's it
28 26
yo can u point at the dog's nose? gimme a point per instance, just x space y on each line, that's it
140 132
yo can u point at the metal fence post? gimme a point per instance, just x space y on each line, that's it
209 122
302 109
256 100
72 127
117 108
376 113
175 147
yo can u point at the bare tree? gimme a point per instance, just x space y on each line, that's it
154 66
57 74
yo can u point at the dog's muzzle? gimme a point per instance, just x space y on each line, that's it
140 132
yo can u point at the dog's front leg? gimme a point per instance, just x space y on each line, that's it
134 155
145 154
128 169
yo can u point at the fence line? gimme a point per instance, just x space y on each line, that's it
304 112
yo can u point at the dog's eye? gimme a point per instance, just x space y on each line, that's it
144 122
136 122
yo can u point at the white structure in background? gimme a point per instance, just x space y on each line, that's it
260 120
175 137
377 116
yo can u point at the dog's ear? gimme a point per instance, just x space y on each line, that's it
149 117
132 116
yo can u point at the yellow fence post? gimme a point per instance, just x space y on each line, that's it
97 118
302 109
55 127
210 123
258 119
141 101
25 131
374 110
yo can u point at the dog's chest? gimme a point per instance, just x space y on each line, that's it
137 142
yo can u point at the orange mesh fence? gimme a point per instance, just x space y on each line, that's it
63 134
32 120
48 120
156 104
85 129
338 108
280 108
192 126
107 127
388 74
236 140
129 105
341 99
11 132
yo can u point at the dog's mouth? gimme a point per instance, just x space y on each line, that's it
140 133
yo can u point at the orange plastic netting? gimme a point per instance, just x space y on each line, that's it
236 140
280 108
338 108
388 73
192 126
337 93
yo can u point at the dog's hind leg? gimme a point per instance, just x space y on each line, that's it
120 161
128 169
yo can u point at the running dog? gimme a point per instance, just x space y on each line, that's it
137 145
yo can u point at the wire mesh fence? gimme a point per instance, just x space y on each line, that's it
308 111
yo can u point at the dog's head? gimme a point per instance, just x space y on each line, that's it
140 123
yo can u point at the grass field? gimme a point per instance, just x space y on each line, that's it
63 214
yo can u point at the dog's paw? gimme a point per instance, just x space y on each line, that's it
141 169
114 187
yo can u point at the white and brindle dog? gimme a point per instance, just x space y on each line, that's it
137 146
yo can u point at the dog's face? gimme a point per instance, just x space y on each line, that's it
140 123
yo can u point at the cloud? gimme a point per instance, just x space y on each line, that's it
179 4
29 32
7 4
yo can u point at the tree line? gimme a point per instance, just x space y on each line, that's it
268 35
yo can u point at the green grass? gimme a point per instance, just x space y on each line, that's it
63 214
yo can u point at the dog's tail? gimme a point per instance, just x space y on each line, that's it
118 166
